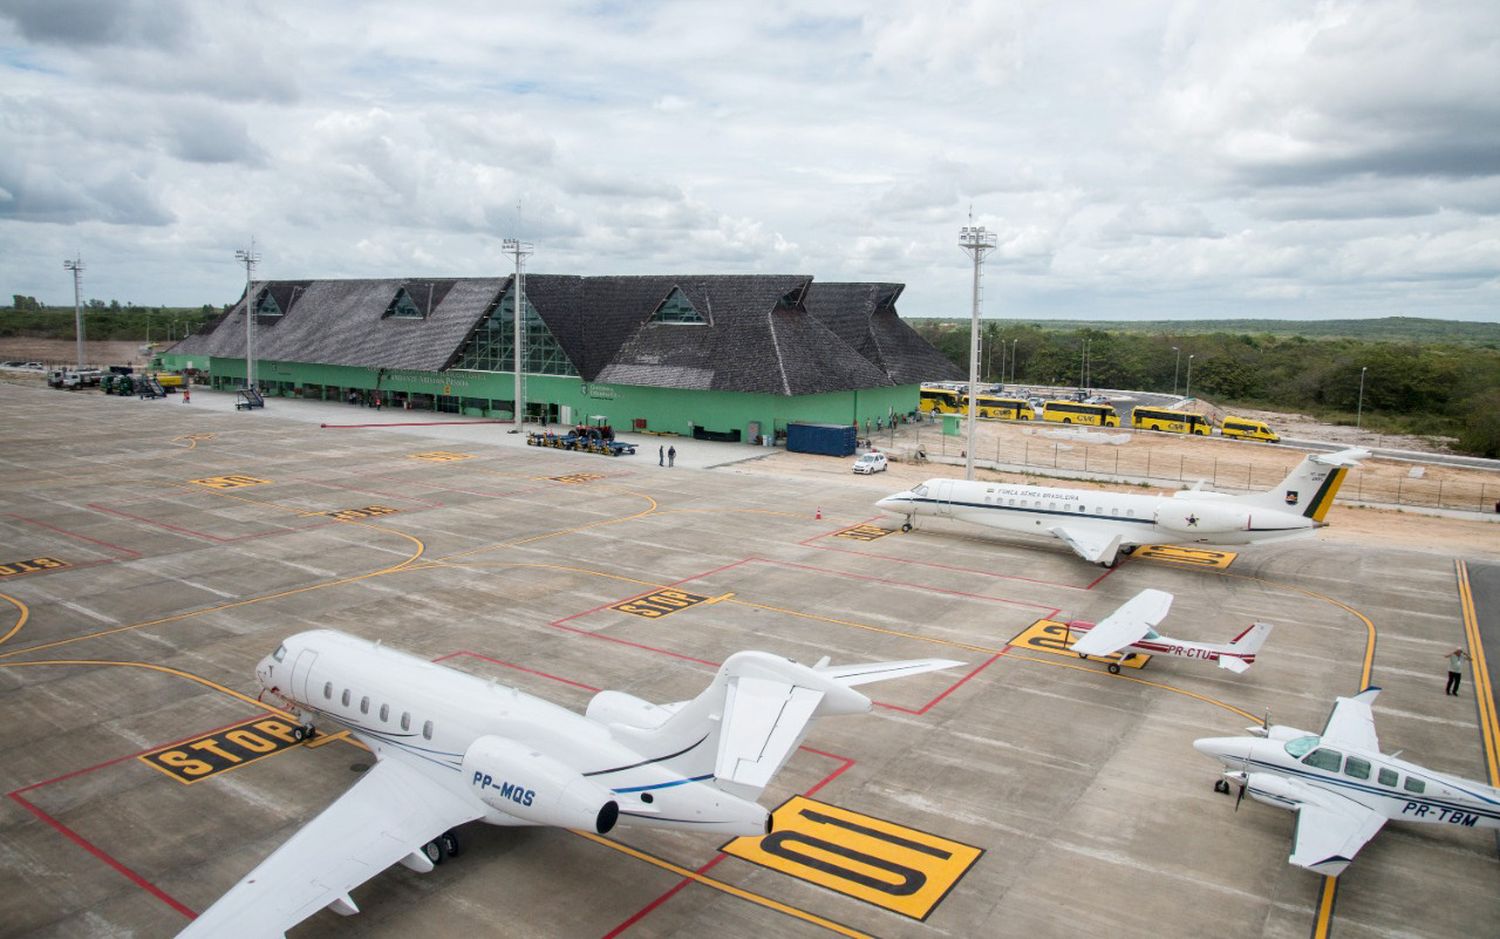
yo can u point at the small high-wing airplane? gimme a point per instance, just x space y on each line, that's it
1098 525
1341 786
451 748
1131 627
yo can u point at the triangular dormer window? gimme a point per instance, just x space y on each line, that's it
678 310
266 304
403 307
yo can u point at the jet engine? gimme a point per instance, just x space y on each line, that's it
515 779
1202 517
617 707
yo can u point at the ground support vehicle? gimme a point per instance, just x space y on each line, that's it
591 441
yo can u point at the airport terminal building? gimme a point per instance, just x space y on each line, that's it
728 357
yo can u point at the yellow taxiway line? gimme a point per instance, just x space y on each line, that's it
1489 725
23 611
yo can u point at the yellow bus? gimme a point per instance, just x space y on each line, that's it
1173 422
942 400
1246 429
1072 412
1005 409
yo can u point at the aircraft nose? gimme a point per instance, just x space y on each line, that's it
1227 750
895 504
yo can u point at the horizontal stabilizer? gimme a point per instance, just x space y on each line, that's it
1234 664
881 671
1089 545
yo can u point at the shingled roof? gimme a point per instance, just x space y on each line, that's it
344 322
864 316
762 333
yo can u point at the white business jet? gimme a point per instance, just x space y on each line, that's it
1131 628
1098 524
452 748
1341 786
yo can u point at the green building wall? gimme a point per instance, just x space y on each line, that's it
490 394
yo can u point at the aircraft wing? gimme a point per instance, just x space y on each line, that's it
1125 625
1351 723
1093 546
394 809
1330 832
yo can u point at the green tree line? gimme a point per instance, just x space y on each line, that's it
1429 388
104 321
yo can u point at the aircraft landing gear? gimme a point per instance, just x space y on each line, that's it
442 847
1221 786
906 525
304 732
1114 668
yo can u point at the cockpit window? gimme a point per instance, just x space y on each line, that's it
920 491
1300 746
279 654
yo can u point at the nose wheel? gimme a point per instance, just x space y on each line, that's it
1221 786
906 525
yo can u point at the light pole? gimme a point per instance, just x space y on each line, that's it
520 250
1187 389
976 243
249 258
1176 363
1002 362
1359 412
1083 366
1013 360
76 266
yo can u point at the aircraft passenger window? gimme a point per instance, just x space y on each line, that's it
385 715
1115 512
346 697
1324 758
328 690
427 730
1414 785
1359 769
364 705
279 654
406 720
1388 778
1130 512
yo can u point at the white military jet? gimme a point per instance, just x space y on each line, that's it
452 748
1098 524
1130 628
1341 786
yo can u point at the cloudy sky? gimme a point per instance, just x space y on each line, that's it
1136 160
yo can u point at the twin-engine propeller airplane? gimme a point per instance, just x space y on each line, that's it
1341 786
452 748
1130 627
1098 525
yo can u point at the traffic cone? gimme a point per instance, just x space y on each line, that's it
819 513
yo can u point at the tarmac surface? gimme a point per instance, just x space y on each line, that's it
157 550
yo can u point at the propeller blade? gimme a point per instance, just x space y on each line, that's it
1239 798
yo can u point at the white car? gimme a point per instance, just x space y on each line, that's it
870 463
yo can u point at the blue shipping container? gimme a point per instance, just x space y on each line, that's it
827 439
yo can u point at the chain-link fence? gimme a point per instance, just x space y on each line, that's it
1360 486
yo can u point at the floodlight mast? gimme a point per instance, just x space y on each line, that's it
76 266
520 250
976 243
249 258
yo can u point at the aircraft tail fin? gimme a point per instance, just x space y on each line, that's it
1311 485
745 725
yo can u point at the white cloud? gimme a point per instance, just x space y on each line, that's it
1166 158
